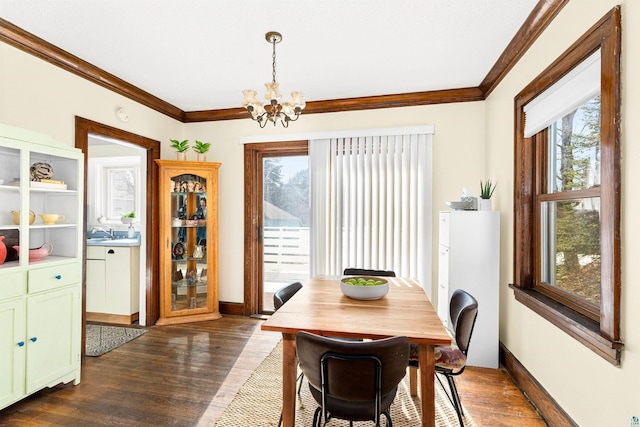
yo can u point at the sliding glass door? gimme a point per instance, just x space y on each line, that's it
285 224
276 221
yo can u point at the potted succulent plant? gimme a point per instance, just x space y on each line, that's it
486 191
201 148
128 218
181 148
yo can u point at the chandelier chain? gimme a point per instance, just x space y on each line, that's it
273 57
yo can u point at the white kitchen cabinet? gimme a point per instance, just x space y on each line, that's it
40 296
113 275
53 337
469 259
12 350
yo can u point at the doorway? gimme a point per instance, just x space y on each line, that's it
276 221
85 128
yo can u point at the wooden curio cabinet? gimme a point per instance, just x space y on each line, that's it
188 241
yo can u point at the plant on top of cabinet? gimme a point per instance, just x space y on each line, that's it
486 189
181 148
201 148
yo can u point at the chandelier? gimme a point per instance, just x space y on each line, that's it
274 111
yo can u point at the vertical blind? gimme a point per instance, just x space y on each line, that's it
372 204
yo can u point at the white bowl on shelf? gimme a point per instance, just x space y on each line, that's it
459 206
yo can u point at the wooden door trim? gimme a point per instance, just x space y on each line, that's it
253 155
83 128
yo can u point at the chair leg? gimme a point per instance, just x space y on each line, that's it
301 379
456 398
387 413
317 417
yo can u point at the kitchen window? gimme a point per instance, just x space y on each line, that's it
115 183
567 191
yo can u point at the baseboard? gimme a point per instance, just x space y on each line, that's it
232 308
117 319
548 408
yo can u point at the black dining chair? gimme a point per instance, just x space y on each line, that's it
283 294
368 272
451 360
352 380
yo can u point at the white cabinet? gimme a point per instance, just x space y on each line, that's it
53 337
12 350
469 259
40 291
113 274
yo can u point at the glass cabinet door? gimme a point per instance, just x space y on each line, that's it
188 242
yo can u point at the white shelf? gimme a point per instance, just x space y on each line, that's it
53 191
9 227
50 226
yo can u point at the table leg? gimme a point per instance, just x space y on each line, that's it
413 381
289 372
427 390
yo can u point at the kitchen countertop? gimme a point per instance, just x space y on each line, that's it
117 240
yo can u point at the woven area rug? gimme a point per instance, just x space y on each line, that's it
101 339
258 402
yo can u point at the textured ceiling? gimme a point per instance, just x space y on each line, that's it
200 54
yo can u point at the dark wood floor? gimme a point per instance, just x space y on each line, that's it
184 375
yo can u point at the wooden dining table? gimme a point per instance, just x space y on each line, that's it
321 308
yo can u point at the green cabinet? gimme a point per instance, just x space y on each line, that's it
41 188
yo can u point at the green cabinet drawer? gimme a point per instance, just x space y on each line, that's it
46 278
12 285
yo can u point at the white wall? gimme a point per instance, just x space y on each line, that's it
39 96
589 389
457 151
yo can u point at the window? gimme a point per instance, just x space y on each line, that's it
567 191
120 195
115 185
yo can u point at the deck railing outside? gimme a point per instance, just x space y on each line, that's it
286 257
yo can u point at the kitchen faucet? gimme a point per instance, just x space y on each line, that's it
109 233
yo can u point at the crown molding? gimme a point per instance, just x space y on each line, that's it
354 104
29 43
535 24
537 21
